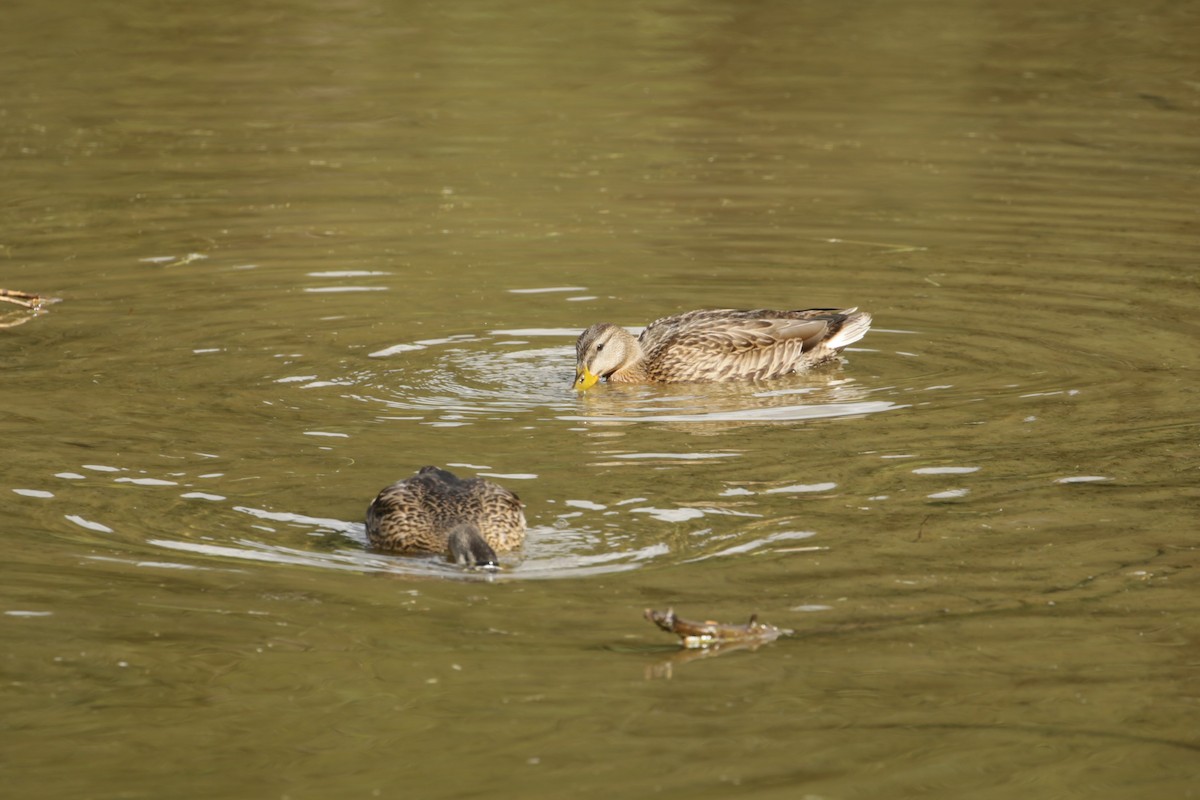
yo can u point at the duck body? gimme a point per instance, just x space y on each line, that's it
435 511
717 345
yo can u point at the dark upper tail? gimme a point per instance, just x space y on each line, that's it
465 545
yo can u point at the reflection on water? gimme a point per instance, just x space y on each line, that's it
761 410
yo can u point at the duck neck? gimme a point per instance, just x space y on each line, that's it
634 373
633 360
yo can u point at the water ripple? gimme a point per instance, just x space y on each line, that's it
457 379
461 381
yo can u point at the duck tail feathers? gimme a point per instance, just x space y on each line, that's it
854 327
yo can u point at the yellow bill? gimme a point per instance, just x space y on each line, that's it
585 378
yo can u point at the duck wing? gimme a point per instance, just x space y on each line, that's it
726 344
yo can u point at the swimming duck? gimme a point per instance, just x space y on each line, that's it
435 511
717 345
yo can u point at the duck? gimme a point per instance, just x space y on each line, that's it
720 344
435 511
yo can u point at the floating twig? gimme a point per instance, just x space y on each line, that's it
694 635
23 299
26 300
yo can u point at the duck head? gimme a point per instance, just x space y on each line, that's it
600 351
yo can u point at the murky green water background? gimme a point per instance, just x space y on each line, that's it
306 248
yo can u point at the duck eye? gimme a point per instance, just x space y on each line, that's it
599 347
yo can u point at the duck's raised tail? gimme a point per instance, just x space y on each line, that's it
855 327
466 546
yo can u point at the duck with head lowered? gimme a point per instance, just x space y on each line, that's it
435 511
717 345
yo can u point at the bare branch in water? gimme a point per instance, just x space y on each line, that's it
26 300
694 635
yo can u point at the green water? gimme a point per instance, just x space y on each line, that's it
305 249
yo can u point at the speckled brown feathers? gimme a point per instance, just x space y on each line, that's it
718 345
435 511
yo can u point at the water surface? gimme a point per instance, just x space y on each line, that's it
304 250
